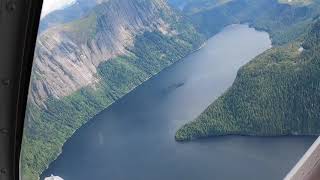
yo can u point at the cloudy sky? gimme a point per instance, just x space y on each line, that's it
51 5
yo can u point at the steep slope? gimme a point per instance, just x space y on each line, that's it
70 53
83 66
275 94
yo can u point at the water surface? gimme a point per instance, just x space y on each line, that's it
134 138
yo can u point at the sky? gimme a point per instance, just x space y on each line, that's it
51 5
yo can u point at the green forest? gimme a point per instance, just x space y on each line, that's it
260 101
275 94
50 128
283 22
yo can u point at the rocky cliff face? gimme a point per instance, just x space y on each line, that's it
67 56
83 66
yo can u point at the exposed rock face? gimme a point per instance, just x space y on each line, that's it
67 56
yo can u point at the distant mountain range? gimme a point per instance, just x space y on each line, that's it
75 11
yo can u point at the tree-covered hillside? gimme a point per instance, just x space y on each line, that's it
106 51
283 20
277 93
52 122
52 126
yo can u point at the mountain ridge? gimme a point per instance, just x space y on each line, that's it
101 35
83 66
118 50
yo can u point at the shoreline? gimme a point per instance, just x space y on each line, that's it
245 135
131 90
135 87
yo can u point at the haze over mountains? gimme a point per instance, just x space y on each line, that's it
69 12
53 5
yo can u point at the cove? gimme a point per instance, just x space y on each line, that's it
133 139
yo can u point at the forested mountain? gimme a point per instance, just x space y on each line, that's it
277 93
283 21
83 66
94 52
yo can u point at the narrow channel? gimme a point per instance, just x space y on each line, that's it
134 138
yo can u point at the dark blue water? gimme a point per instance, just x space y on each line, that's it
134 138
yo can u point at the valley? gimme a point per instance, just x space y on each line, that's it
93 53
134 137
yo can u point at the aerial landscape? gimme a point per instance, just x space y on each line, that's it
173 89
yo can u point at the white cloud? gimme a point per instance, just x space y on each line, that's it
51 5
